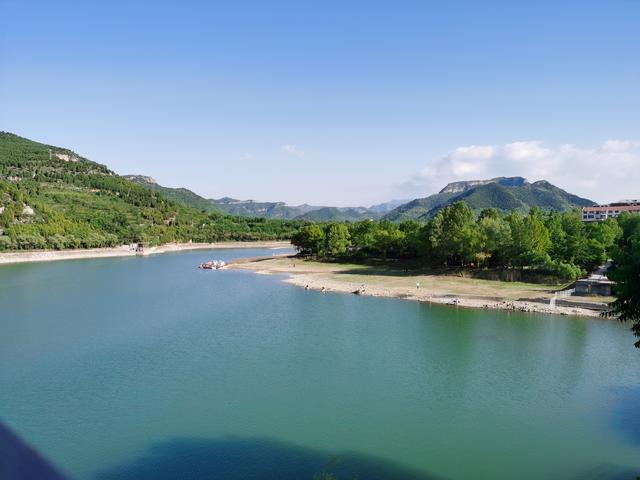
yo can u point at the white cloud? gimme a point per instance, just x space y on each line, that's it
524 151
292 150
605 173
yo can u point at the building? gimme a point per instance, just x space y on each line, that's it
597 285
597 213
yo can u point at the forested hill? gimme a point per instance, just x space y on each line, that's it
51 197
231 206
298 212
505 194
279 210
180 195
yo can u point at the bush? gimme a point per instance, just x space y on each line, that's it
30 242
57 242
6 243
563 270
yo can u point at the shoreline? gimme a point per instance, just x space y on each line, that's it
433 289
8 258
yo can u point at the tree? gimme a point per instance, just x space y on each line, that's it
363 235
530 241
575 239
494 238
309 239
7 216
602 236
337 239
553 222
607 233
387 237
626 274
489 213
454 233
413 241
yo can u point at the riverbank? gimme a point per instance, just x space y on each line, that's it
439 289
126 251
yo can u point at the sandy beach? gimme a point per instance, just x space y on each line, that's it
438 289
126 251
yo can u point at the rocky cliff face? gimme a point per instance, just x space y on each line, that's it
457 187
142 179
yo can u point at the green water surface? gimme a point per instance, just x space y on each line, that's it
150 368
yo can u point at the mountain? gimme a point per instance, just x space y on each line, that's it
457 187
297 212
503 193
51 197
271 210
179 195
382 208
339 214
251 208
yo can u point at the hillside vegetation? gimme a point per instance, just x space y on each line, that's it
183 196
273 210
51 197
505 194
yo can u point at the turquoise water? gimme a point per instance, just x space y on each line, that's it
150 368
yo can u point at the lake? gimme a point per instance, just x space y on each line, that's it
150 368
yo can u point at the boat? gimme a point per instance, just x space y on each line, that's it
212 265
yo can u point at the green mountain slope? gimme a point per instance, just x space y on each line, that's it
51 197
253 208
271 210
336 214
503 193
298 212
419 207
182 196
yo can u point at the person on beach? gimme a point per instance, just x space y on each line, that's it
417 284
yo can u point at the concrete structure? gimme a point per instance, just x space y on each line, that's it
594 286
598 213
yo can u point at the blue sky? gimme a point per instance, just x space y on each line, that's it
338 103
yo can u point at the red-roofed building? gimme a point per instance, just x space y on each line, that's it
598 213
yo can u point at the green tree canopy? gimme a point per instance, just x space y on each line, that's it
309 239
626 273
337 239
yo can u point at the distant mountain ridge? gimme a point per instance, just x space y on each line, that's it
463 186
272 210
503 193
304 211
180 195
252 208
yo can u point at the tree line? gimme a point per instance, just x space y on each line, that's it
555 243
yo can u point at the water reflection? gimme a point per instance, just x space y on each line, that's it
626 413
253 458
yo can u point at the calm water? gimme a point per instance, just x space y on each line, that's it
150 368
